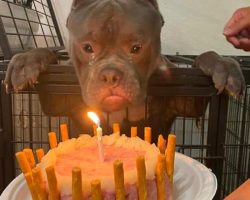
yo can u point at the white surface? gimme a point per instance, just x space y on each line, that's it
195 26
191 26
193 181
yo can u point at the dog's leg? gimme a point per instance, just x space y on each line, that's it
24 68
225 72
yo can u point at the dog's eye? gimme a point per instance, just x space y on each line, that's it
88 48
136 48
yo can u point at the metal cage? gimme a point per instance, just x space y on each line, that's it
219 139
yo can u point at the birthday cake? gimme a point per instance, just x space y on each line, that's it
131 169
82 152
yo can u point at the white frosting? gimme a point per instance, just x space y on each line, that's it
107 183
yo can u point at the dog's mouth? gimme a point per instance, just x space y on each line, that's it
111 89
114 102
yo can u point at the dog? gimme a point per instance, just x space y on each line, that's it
114 46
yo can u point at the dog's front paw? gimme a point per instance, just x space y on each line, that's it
225 72
24 68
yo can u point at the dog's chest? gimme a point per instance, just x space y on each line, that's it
132 114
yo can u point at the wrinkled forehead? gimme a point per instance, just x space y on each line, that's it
114 17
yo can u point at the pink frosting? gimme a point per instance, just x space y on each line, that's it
131 192
84 156
83 153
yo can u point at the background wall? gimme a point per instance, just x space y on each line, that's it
191 26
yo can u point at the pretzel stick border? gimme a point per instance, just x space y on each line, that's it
170 157
52 183
31 185
119 180
141 178
161 177
116 128
52 140
161 144
23 162
77 184
30 157
39 154
64 132
133 131
147 134
96 192
39 183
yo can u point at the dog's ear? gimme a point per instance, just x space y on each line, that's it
77 3
155 4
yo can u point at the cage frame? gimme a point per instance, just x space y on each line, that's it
193 82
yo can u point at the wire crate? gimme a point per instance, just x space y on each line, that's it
219 138
26 24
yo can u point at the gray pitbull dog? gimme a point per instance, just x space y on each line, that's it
115 47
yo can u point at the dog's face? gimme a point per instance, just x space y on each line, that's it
115 47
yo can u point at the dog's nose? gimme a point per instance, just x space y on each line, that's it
111 76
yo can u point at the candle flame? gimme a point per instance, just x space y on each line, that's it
93 116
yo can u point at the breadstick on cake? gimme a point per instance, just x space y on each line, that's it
39 154
31 185
96 192
147 134
161 144
116 128
141 178
133 131
162 159
23 162
39 183
161 177
52 183
95 129
77 184
64 132
52 140
30 157
119 180
170 156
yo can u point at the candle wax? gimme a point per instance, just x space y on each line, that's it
99 143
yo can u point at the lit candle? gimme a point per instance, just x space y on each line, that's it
96 120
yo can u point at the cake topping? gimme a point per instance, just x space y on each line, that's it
82 152
133 168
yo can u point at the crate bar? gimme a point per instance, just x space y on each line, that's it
242 137
53 16
152 91
48 22
26 14
1 155
58 78
216 135
181 59
39 20
14 22
7 137
181 91
60 88
5 46
27 20
246 73
24 34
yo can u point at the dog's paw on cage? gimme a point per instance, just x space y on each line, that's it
225 72
24 68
